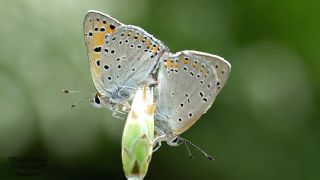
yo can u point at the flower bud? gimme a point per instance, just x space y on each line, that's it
138 135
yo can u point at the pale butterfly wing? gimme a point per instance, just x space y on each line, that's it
121 57
95 27
189 82
129 56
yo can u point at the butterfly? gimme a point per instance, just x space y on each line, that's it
189 82
122 58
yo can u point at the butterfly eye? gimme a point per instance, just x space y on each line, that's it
97 100
175 140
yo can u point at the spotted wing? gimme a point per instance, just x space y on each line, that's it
189 82
129 55
95 27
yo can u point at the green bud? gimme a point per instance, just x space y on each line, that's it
138 135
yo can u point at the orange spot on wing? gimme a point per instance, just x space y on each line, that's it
148 42
152 48
109 30
194 65
98 39
170 64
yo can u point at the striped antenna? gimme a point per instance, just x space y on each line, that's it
81 100
202 151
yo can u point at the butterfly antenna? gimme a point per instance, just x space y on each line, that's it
81 100
68 92
202 151
189 152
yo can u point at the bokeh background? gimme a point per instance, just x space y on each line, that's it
264 124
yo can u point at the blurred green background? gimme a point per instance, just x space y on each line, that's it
264 124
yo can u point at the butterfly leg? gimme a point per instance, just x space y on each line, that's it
115 108
114 114
120 112
159 138
115 111
126 107
160 135
157 146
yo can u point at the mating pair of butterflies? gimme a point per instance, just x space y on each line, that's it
123 58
